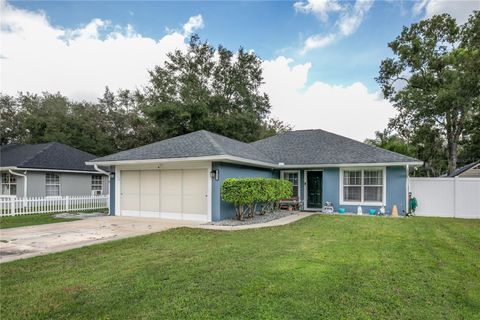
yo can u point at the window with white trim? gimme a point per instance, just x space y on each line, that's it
97 184
9 184
363 186
52 184
293 177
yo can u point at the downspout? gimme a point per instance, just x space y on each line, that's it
24 184
407 189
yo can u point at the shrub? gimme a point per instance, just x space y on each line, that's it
246 193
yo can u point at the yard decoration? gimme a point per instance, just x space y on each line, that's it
394 211
247 193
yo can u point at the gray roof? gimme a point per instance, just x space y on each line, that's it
51 155
461 170
196 144
322 147
301 147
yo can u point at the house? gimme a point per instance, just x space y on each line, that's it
180 178
49 170
471 170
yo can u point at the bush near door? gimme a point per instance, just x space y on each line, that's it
246 193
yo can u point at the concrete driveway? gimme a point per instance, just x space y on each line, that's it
25 242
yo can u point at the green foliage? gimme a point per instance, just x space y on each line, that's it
191 91
213 89
246 193
434 81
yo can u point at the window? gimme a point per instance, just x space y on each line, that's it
52 184
363 186
9 184
97 184
292 176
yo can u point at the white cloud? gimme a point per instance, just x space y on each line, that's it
350 110
317 41
460 10
351 20
348 21
37 56
320 8
194 23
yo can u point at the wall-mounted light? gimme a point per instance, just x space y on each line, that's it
214 174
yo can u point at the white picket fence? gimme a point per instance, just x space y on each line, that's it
447 197
11 205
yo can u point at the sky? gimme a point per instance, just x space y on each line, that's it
320 58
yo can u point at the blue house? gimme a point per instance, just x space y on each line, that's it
180 178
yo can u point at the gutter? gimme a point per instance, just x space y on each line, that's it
101 171
24 184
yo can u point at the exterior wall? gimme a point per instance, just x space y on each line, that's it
395 189
221 209
71 184
112 193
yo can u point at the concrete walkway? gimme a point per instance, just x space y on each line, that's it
26 242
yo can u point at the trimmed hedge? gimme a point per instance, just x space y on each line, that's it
247 193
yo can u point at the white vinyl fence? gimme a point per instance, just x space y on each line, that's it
447 197
11 205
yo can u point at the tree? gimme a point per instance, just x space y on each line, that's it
211 89
434 78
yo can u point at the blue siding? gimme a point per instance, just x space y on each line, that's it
112 192
221 209
396 193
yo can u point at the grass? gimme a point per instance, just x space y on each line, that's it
319 267
30 220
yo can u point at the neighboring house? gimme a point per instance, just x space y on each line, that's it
180 178
49 170
471 170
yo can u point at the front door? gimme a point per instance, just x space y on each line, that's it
314 189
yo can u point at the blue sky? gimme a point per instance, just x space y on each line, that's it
321 57
270 28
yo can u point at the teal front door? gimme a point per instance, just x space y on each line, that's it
314 189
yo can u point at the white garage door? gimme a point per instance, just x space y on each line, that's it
169 194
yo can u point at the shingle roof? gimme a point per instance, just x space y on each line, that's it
196 144
51 155
461 170
291 148
322 147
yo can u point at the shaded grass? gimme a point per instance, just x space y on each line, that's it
30 220
319 267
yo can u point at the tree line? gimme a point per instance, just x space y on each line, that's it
203 88
433 80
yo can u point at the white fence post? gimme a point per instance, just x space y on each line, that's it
12 206
67 203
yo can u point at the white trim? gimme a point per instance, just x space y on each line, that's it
209 193
118 186
305 190
47 170
233 159
299 178
363 203
165 215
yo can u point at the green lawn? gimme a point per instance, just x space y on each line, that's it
320 267
30 220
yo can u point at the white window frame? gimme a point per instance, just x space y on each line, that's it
282 177
9 183
53 184
362 202
94 186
